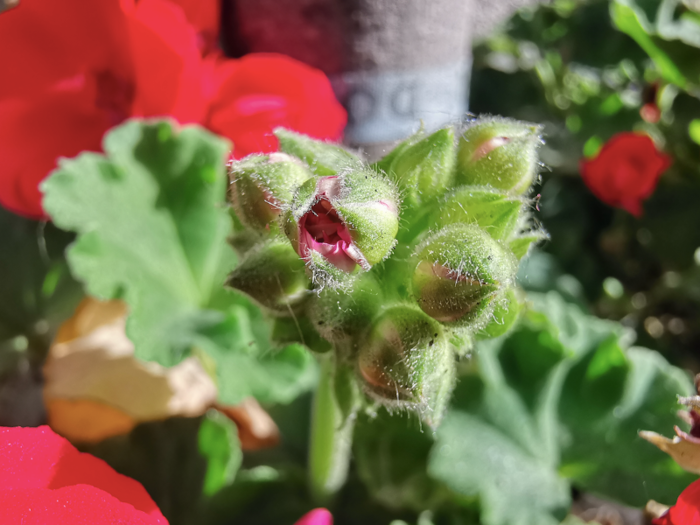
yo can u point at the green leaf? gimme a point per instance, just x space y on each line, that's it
218 443
671 45
495 445
557 401
391 454
152 226
37 291
694 130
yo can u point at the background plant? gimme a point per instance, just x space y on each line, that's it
558 400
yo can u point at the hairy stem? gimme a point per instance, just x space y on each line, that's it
331 436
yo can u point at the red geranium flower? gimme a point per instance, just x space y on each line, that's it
686 511
625 171
263 91
45 480
73 69
205 16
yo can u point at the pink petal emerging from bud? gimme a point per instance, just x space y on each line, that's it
322 230
316 517
487 147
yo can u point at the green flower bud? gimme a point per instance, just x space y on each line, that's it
405 361
425 169
505 314
323 158
499 152
495 211
298 329
459 273
341 224
339 315
261 185
273 276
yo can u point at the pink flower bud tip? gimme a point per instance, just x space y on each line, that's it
316 517
487 147
321 229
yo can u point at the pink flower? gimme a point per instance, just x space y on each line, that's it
44 480
322 230
316 517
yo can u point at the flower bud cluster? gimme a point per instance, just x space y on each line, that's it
398 286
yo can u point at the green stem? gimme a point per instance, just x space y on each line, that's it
331 436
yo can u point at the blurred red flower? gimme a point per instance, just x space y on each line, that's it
45 480
686 511
316 517
260 92
625 171
73 69
205 16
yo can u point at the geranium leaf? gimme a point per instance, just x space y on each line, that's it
152 226
559 401
218 443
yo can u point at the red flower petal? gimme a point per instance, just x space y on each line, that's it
686 511
204 15
76 505
35 132
263 91
41 472
45 41
167 62
625 171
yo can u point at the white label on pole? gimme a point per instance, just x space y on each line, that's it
387 106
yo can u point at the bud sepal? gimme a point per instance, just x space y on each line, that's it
322 158
495 211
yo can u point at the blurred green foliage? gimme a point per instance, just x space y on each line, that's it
585 69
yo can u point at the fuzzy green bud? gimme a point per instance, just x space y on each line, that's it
339 315
345 223
405 361
495 211
322 158
273 276
499 152
460 271
425 169
505 313
261 185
